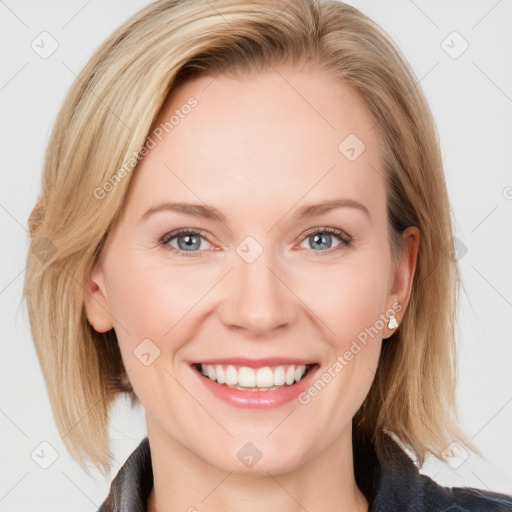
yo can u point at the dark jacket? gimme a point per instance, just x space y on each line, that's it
390 484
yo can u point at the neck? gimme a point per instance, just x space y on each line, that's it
185 482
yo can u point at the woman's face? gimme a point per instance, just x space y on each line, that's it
269 276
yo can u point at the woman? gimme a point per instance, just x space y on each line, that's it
248 231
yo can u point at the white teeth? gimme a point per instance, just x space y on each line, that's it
231 376
246 377
279 376
264 378
290 375
221 374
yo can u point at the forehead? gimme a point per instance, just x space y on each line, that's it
279 136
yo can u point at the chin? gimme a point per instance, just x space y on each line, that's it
250 460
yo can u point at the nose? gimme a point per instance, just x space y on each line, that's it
257 298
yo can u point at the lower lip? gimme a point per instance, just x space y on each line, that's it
258 399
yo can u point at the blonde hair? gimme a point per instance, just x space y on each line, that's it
105 120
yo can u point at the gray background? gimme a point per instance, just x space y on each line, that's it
471 98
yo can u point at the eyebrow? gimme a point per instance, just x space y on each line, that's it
209 212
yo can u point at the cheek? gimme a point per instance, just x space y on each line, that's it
149 307
154 308
351 310
350 300
360 305
147 298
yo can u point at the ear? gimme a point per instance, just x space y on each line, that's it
404 274
96 301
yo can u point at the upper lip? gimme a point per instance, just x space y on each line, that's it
255 363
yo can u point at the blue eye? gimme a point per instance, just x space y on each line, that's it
189 240
322 237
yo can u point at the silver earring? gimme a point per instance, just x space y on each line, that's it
392 322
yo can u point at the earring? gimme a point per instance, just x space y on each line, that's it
392 322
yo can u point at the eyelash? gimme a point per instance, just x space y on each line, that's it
344 238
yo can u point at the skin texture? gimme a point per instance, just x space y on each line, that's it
256 149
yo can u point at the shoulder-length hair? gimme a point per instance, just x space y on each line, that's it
101 132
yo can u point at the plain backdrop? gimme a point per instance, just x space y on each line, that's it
461 52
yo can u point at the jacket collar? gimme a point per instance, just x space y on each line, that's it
391 483
130 489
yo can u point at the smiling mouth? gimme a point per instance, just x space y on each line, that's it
244 378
